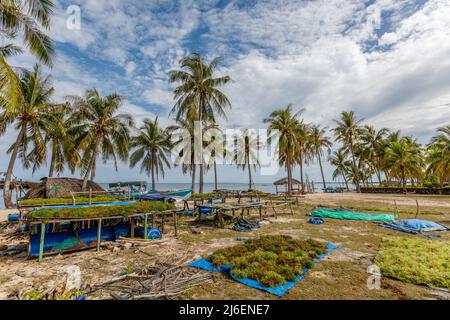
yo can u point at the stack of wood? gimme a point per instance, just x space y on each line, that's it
165 278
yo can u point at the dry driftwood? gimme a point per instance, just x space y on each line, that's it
165 278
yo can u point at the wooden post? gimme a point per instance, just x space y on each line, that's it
90 196
175 223
221 221
163 222
260 213
146 226
418 209
41 242
99 234
132 222
73 198
154 220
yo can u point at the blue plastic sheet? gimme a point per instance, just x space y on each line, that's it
278 290
416 226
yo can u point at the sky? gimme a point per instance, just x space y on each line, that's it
387 60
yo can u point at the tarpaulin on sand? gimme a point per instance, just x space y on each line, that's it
416 226
278 290
349 215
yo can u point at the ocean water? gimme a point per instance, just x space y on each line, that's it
209 187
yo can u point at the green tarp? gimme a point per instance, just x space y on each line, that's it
349 215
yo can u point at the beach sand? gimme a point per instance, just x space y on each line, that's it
4 214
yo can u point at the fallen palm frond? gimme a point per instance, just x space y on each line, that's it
165 278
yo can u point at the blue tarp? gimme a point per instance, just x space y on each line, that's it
278 290
415 226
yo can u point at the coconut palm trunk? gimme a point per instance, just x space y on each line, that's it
289 171
321 170
346 182
355 168
302 181
193 172
7 192
91 166
153 173
250 182
215 176
52 163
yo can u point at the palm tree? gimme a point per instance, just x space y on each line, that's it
303 152
58 140
198 97
99 129
348 131
28 18
439 155
32 118
152 146
343 166
375 143
186 155
403 159
246 153
318 142
287 124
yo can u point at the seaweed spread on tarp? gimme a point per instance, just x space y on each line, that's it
416 226
278 290
349 215
74 240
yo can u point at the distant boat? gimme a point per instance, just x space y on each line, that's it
178 195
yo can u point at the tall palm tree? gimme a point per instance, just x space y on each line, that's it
375 143
58 140
303 151
186 156
32 117
198 96
99 130
342 165
439 155
318 142
27 18
287 124
348 131
403 160
246 155
152 146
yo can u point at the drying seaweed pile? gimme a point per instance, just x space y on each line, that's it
67 200
164 278
271 260
98 212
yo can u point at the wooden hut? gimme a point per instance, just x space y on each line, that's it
59 187
284 182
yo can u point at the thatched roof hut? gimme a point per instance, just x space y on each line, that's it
284 182
59 187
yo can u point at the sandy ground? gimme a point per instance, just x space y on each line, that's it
4 214
342 275
435 202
